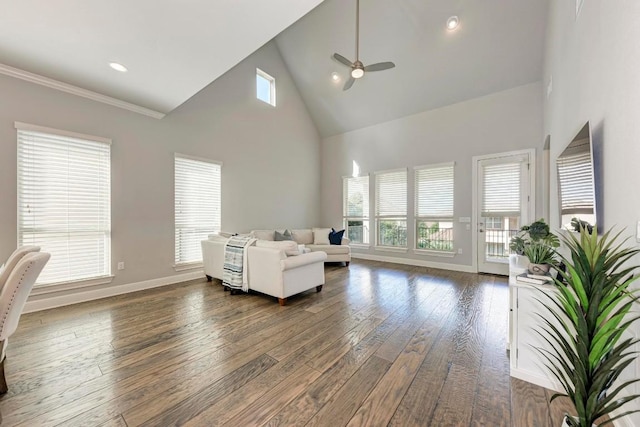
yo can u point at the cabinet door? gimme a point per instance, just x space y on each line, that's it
528 360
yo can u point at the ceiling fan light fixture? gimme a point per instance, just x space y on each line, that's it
452 23
357 73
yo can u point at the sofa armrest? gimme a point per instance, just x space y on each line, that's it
302 260
345 241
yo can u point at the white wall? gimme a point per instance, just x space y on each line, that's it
501 122
270 176
595 64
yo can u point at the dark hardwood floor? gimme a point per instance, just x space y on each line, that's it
382 344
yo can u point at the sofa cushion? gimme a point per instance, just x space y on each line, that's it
304 237
330 249
263 234
279 237
288 246
335 237
321 236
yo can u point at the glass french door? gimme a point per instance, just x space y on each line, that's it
504 195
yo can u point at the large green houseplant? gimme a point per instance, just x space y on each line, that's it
590 314
536 232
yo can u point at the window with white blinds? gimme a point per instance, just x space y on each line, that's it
434 192
434 207
576 183
355 192
501 190
391 208
64 202
197 205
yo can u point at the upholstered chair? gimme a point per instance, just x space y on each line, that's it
13 297
16 256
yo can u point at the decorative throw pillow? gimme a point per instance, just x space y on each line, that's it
303 237
279 237
321 236
335 237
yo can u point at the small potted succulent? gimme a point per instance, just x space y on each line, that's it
586 346
541 257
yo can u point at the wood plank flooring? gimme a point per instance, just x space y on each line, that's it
382 344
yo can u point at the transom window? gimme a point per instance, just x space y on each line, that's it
265 87
64 202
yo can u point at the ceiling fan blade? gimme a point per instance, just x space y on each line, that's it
379 66
349 83
342 59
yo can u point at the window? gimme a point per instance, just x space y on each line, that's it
501 207
265 87
197 198
434 207
575 176
494 223
64 202
356 208
391 208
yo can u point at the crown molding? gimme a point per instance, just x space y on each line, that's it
74 90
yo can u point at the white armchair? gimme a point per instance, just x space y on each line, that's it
274 273
13 297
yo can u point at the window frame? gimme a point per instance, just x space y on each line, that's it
419 218
364 218
272 87
105 209
391 217
187 265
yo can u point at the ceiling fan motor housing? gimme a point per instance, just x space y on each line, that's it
358 70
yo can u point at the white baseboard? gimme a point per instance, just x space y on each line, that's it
416 262
538 380
45 302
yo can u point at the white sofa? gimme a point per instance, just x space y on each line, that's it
270 270
307 237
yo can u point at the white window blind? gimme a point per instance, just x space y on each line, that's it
356 197
501 190
64 203
197 206
434 192
391 194
576 183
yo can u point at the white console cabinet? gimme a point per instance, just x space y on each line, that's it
525 309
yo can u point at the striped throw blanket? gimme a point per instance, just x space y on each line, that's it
235 261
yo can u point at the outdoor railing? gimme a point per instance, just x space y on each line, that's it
497 242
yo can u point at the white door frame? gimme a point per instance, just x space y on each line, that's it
475 160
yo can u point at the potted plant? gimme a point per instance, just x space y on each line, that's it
590 313
540 257
535 233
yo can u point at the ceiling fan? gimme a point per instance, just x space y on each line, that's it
358 69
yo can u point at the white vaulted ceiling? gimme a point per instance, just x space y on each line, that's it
171 48
498 45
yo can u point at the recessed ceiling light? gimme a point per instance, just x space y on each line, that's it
118 67
335 76
452 23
